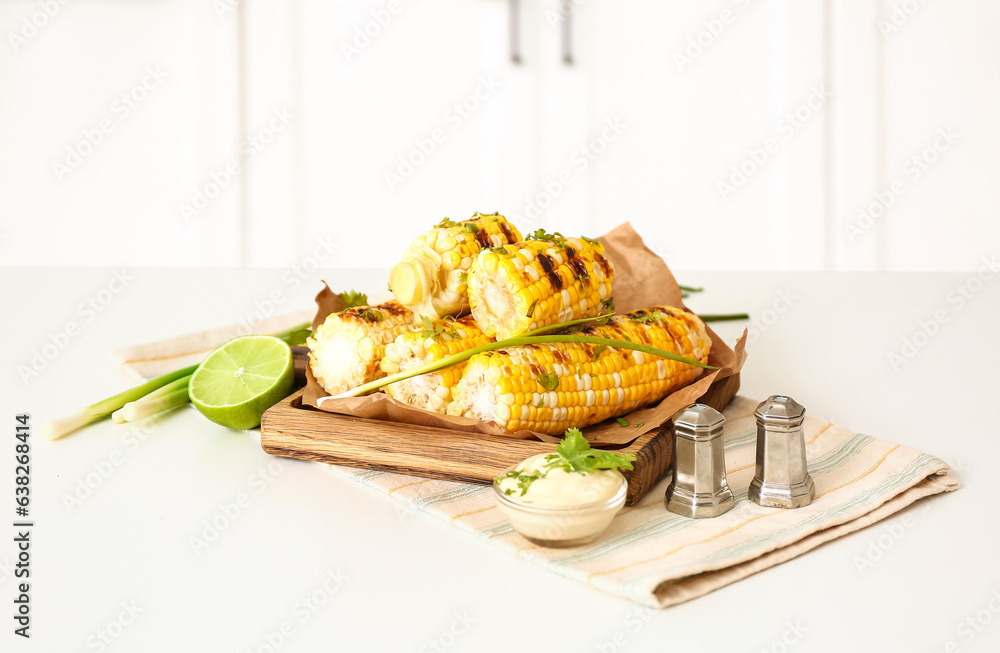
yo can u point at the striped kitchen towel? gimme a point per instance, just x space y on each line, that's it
155 358
660 559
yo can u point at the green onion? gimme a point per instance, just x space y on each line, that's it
461 357
102 409
563 325
725 317
171 395
691 289
149 398
136 410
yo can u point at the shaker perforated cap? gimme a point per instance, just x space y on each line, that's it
698 420
780 407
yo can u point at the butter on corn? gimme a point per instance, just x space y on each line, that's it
551 387
431 278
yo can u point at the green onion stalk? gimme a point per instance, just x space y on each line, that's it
103 409
526 339
153 396
169 396
167 391
171 390
724 317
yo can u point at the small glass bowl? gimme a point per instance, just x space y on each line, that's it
561 526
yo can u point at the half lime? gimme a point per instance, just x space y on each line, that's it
237 382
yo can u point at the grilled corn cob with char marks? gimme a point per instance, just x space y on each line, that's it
537 283
345 351
431 278
432 343
551 387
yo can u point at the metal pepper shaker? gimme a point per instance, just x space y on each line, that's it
781 479
699 488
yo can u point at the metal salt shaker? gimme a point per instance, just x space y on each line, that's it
699 488
782 478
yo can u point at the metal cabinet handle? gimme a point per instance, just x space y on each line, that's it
567 32
514 22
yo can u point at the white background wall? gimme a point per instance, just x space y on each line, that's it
274 91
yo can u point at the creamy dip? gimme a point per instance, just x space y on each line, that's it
560 488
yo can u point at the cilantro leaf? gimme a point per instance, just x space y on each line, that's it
353 298
598 350
608 305
549 381
573 454
531 309
444 224
621 421
577 456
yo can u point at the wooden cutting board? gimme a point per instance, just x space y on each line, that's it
293 430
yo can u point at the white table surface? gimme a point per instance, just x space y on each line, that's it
411 581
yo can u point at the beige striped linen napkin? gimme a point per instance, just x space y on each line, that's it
156 358
660 559
648 554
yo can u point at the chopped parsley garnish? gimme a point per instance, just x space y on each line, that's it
463 278
471 228
555 237
531 309
598 350
549 381
608 305
430 329
573 454
444 224
621 421
590 240
372 315
433 329
499 250
655 316
523 480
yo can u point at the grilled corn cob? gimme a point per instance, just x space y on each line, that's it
537 283
435 341
431 277
551 387
345 351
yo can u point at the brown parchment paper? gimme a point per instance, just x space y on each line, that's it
642 279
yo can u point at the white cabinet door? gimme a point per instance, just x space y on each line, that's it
407 112
114 117
701 123
941 103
